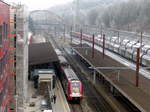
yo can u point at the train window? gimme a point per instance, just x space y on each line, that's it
75 84
1 35
75 87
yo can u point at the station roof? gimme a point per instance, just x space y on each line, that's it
41 53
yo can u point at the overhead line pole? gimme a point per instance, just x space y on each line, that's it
141 38
93 42
71 34
137 67
76 14
103 45
64 33
81 38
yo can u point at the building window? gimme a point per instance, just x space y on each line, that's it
1 67
5 30
1 35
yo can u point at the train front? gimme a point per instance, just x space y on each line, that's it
75 90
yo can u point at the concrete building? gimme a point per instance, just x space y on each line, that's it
21 57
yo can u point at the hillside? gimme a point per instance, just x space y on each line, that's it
83 5
131 15
67 11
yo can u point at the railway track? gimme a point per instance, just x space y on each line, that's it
92 96
76 108
96 102
121 99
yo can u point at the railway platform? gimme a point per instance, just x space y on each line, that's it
138 96
61 104
34 103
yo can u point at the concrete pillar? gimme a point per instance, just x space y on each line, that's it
94 76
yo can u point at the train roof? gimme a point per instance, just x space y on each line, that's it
70 74
62 59
58 52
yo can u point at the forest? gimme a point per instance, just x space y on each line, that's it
129 15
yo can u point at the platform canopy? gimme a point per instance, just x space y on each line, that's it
41 53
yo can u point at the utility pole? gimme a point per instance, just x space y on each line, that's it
141 38
76 17
55 32
81 37
137 66
93 44
64 33
71 34
103 46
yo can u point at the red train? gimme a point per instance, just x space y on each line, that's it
73 87
123 47
84 36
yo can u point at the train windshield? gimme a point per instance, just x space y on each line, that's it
75 87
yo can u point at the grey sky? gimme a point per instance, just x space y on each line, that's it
40 4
